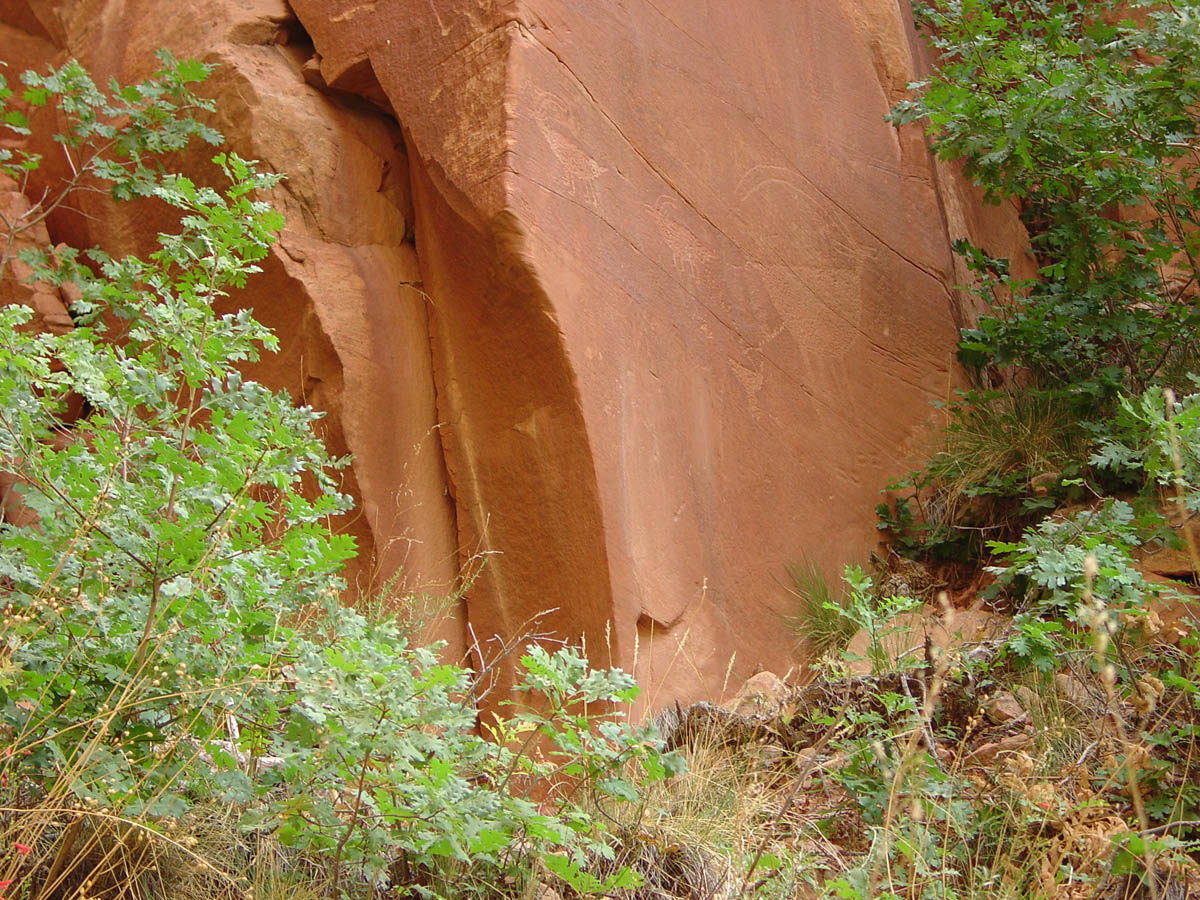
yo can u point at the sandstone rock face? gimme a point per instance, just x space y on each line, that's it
342 288
641 300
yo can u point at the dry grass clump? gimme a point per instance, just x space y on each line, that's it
1001 457
87 854
817 618
1016 436
697 834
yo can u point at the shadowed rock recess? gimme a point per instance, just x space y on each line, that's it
643 300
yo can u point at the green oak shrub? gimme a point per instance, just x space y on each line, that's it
1085 116
171 640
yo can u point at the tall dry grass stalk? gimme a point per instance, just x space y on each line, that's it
908 756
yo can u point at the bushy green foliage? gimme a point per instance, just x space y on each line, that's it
1154 439
174 535
1048 567
1088 118
111 139
1085 115
171 635
383 771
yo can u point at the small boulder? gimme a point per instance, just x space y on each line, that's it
1003 708
763 694
989 753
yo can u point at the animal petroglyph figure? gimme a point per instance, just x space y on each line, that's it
689 254
577 172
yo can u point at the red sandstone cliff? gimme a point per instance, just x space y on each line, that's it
643 298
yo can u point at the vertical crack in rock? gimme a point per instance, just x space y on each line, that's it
518 459
400 461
